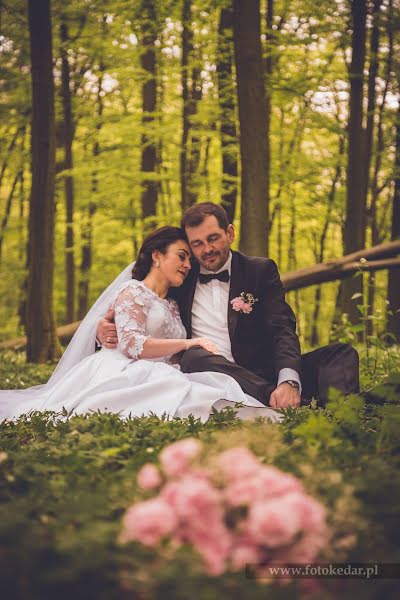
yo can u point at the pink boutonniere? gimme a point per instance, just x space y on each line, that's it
244 303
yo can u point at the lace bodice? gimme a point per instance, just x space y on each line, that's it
139 314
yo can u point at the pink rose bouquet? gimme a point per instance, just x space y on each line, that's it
237 512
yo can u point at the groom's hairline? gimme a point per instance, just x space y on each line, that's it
198 213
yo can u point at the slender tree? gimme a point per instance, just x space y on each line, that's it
269 67
19 132
355 223
253 127
372 77
228 133
187 49
394 274
193 163
149 161
378 232
42 343
320 250
68 136
89 212
6 216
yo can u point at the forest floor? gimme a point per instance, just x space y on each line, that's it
64 486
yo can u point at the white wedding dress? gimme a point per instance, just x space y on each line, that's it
118 381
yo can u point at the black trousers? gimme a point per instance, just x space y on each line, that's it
335 366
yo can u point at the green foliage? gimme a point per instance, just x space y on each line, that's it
65 483
308 84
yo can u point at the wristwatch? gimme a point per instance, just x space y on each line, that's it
294 384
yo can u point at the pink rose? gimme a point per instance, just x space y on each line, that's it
238 304
149 477
214 561
304 551
147 522
273 523
242 492
247 308
245 554
176 458
251 482
274 482
244 302
238 463
194 500
312 512
213 544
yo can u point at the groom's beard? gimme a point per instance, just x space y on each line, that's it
214 265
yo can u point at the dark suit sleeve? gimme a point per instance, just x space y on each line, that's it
279 322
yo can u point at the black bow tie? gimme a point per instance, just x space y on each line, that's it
206 278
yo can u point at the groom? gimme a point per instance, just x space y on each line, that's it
257 339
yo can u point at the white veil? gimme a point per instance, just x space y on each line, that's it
81 345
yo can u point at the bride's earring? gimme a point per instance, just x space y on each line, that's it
157 264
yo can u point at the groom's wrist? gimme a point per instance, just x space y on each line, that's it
286 375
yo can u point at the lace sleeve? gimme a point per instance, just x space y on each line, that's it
130 321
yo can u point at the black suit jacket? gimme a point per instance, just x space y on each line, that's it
265 340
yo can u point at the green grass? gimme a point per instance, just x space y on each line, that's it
64 486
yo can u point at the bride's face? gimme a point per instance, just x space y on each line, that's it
175 263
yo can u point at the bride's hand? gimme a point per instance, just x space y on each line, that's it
106 331
204 343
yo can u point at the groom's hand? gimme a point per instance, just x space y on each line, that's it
106 331
283 396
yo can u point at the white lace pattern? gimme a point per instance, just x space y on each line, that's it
139 314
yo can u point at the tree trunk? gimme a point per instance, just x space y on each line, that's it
384 256
372 76
204 173
253 128
6 216
191 96
149 163
19 131
375 188
354 227
393 319
22 254
68 130
195 141
228 133
42 340
269 64
86 257
87 224
187 47
322 241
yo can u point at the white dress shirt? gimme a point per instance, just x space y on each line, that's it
210 317
210 311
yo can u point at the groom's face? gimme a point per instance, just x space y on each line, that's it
210 243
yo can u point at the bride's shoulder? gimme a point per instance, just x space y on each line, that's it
134 290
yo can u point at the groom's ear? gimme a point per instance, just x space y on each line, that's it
231 233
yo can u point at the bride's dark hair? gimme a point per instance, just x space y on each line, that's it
159 240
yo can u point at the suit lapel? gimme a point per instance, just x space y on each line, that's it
235 288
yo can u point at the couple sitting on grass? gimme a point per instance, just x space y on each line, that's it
191 325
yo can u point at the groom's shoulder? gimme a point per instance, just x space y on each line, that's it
256 263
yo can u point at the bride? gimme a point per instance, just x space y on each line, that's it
141 376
